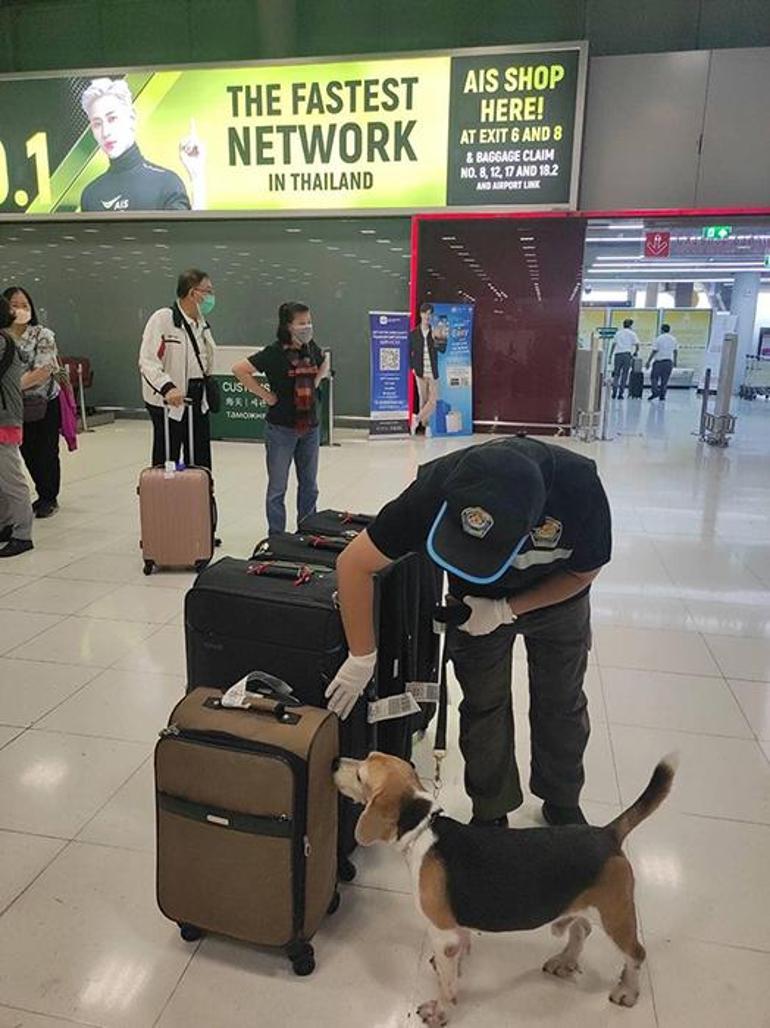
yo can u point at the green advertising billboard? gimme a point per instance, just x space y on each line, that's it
494 128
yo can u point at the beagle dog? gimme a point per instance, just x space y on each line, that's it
490 879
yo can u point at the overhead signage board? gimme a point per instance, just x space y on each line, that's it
492 128
716 231
657 244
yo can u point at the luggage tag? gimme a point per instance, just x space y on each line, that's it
391 707
169 469
236 695
424 692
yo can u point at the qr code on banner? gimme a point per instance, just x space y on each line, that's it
390 358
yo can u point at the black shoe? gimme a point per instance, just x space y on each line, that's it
563 815
420 430
36 504
652 397
6 533
16 546
45 508
495 822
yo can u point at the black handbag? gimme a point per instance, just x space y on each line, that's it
213 395
35 407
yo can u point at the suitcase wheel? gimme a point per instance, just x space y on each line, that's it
189 932
200 565
346 871
149 566
334 905
302 958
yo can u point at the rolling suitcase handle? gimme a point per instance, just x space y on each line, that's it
327 542
275 709
268 686
167 433
300 574
347 518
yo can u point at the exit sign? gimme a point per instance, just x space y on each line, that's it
767 260
716 231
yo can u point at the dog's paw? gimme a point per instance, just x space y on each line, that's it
432 1014
561 966
624 995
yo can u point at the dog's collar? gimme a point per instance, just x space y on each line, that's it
417 817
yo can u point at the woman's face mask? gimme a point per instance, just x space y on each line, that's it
302 333
22 315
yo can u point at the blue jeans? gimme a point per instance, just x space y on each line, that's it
282 446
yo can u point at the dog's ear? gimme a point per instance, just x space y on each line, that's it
377 823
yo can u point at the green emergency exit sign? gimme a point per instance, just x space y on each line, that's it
716 231
767 260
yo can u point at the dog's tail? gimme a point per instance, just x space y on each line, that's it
657 789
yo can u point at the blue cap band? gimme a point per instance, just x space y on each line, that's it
436 558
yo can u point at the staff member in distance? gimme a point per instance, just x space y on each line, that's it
132 183
625 346
522 528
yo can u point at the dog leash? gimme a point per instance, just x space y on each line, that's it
444 615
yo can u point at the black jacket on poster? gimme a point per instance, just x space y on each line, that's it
416 348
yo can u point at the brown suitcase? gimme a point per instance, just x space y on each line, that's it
177 513
247 821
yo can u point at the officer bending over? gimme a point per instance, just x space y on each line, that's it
522 528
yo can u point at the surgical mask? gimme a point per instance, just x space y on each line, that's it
22 315
303 334
207 304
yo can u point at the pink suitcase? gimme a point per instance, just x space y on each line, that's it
177 513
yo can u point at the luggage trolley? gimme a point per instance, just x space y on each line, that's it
756 380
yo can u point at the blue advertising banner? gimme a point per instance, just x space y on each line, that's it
452 327
389 406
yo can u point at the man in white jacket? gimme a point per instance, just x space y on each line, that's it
175 358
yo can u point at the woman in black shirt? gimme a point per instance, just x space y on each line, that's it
293 366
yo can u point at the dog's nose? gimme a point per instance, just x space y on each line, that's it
335 764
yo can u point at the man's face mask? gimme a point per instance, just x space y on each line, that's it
207 304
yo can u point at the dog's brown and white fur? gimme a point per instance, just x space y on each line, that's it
498 880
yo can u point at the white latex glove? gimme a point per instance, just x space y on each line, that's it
486 615
349 682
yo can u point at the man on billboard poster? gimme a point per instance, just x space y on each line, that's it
132 183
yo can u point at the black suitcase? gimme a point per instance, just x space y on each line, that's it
335 522
635 384
280 617
312 549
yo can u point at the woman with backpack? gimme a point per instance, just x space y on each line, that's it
40 385
15 507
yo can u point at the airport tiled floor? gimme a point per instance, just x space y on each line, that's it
91 661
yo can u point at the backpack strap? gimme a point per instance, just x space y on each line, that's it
9 352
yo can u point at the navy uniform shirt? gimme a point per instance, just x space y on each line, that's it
133 184
574 532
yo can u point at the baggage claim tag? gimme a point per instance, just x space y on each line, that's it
169 469
424 692
392 707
